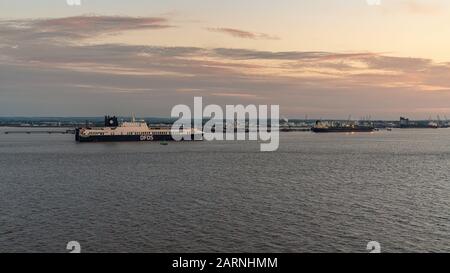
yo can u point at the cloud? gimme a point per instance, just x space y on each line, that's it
248 54
412 7
73 76
397 63
237 33
102 24
238 95
77 27
416 7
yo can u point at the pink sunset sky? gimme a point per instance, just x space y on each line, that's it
322 58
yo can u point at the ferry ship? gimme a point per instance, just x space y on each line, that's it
321 127
133 131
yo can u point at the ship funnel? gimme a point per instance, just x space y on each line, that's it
111 121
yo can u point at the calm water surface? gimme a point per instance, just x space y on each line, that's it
318 193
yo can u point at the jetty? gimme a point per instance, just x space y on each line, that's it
68 131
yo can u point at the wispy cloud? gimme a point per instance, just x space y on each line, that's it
236 95
238 33
78 27
247 54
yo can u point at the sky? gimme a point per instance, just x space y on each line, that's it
321 58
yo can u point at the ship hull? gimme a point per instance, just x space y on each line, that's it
343 130
129 138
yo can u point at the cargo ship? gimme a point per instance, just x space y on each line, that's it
113 131
337 127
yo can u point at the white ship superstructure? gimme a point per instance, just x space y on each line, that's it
133 131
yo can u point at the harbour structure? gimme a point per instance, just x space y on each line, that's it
341 127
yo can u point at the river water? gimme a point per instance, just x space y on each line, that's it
317 193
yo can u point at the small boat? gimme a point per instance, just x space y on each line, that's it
164 143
